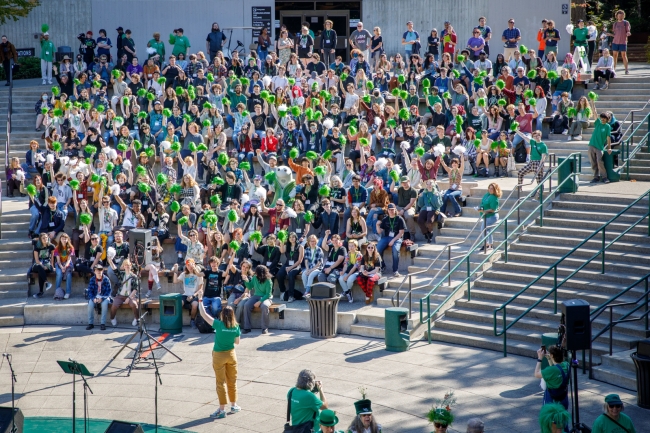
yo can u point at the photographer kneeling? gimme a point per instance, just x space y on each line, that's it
304 406
556 376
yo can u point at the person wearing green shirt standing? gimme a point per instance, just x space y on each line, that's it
536 152
556 376
181 43
613 421
489 212
304 407
47 57
224 358
159 46
600 137
261 287
580 36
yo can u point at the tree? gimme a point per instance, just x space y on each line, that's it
15 9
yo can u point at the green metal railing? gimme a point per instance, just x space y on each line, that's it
573 162
628 143
602 252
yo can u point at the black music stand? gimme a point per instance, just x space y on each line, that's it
73 367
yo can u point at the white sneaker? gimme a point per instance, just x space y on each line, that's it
44 82
565 132
66 296
157 285
579 137
49 82
307 295
148 295
48 286
135 322
114 322
349 295
569 138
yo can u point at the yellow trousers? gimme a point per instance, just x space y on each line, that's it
225 371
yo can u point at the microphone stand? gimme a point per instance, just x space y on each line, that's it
13 382
156 377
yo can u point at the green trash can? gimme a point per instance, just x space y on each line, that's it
395 324
564 172
549 339
171 313
608 160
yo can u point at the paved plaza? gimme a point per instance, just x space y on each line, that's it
402 386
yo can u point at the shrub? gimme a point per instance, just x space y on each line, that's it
30 67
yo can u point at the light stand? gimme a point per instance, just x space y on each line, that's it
141 332
13 382
578 427
156 377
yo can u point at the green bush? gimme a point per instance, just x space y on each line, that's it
30 67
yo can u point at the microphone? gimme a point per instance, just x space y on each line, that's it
5 355
72 360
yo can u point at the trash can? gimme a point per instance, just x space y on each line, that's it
171 313
608 161
323 306
395 325
641 360
564 172
549 339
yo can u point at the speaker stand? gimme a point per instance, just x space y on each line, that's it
14 429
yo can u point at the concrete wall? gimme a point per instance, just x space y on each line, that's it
463 15
68 18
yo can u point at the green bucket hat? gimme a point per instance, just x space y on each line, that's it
613 399
328 418
363 406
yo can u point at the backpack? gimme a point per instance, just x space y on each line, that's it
483 172
557 127
520 153
559 394
202 325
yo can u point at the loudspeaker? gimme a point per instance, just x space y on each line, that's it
124 427
323 290
5 420
578 326
140 245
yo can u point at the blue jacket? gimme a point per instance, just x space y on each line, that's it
105 290
47 217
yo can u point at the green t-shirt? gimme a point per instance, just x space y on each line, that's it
303 405
412 100
224 338
605 425
263 290
181 45
552 375
47 50
581 35
599 135
158 46
489 202
537 150
433 99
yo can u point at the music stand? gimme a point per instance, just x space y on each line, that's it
73 367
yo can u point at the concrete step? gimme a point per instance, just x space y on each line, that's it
625 279
7 321
617 369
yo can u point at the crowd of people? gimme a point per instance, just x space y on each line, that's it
277 165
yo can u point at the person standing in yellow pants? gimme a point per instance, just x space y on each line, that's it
224 358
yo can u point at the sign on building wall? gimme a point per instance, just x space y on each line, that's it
26 52
261 18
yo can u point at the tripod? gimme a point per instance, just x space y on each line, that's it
14 429
578 427
141 332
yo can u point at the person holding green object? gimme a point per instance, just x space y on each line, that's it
224 358
47 57
612 420
536 154
600 137
489 211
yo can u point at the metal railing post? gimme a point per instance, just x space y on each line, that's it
506 238
611 329
449 265
410 301
505 330
602 266
555 289
469 279
518 204
646 305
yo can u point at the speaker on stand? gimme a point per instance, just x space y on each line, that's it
140 245
6 422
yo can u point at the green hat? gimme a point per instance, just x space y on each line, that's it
613 399
328 418
363 406
553 413
405 179
442 416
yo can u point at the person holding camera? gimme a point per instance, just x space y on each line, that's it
304 406
87 48
555 377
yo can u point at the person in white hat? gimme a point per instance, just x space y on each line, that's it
47 56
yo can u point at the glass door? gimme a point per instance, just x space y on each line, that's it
316 20
341 20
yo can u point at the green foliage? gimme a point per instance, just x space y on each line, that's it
30 67
15 9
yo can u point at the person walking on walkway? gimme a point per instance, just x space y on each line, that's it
224 358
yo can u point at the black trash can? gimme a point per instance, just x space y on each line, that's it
641 360
323 308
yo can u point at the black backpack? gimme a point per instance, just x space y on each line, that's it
520 153
202 325
483 172
557 127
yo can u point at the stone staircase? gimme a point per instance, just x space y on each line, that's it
617 369
572 218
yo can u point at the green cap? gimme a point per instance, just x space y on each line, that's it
363 406
613 399
328 418
404 179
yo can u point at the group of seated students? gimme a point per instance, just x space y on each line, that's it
253 171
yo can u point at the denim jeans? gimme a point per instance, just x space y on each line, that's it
68 278
66 210
487 222
383 244
371 220
108 135
29 171
213 306
308 280
451 196
91 311
33 219
346 286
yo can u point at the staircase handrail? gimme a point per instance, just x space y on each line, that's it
601 252
573 158
626 155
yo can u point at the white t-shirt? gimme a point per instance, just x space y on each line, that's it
191 283
351 100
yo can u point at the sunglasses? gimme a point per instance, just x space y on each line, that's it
615 406
438 425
